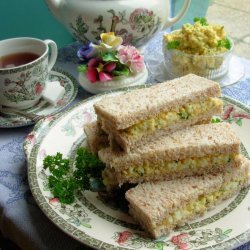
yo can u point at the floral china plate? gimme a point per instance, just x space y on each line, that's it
101 226
42 107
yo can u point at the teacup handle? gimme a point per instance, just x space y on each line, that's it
53 55
171 21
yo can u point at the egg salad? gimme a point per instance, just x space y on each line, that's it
202 204
165 119
200 48
201 38
195 164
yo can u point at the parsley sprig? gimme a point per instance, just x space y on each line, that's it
224 43
173 44
64 182
201 20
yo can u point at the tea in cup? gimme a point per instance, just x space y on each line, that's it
25 64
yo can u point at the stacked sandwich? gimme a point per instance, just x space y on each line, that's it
160 138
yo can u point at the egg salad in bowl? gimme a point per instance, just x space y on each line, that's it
200 48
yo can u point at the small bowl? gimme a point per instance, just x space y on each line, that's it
121 82
179 63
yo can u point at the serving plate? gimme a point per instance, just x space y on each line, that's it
100 225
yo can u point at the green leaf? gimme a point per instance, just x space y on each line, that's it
87 165
122 72
159 246
62 183
109 56
173 44
215 120
239 122
202 20
224 43
228 231
184 115
82 68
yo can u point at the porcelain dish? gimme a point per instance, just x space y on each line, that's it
101 226
42 107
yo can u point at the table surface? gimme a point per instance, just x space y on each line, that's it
21 219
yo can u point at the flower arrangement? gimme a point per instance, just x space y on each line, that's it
109 60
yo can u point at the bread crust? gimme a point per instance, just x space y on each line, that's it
127 109
196 141
95 136
151 202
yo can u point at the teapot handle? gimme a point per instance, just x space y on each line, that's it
171 21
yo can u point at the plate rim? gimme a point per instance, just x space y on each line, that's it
88 240
74 94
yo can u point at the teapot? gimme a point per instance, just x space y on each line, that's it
136 21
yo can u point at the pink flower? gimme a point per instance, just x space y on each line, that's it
123 237
54 201
31 138
99 71
38 88
130 56
178 241
140 12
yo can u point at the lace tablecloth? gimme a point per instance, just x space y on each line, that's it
21 220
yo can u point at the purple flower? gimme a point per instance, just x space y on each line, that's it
86 52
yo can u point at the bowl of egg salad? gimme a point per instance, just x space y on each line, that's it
200 48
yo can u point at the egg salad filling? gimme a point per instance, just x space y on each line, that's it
201 38
203 203
195 164
165 119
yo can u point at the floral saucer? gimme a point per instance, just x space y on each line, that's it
42 107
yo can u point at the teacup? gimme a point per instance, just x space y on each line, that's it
25 64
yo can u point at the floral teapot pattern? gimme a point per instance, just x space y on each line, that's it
135 21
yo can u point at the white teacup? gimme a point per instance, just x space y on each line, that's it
25 64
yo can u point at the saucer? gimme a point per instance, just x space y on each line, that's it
42 107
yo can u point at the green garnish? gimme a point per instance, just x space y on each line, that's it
87 166
216 120
224 43
63 182
202 20
173 44
82 68
109 56
184 115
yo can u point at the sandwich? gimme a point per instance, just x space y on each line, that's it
134 118
161 206
96 138
198 150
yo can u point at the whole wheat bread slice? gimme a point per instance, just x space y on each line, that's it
196 141
151 202
96 137
127 143
127 109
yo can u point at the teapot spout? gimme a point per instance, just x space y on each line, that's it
53 5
